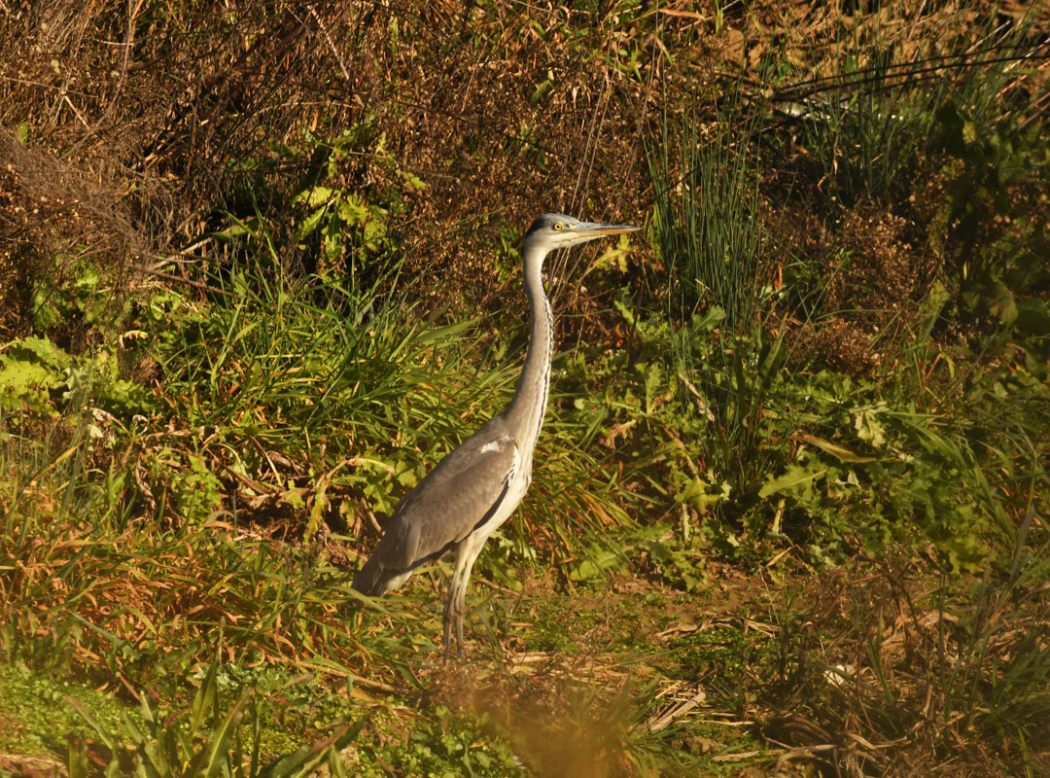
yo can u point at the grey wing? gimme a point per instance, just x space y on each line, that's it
457 496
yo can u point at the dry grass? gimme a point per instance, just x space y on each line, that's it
502 109
887 670
134 131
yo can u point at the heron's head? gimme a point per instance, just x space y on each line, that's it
557 231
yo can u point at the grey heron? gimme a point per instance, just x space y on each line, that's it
476 488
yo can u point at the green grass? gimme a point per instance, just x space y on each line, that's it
38 715
774 525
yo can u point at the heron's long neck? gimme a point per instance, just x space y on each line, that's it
525 413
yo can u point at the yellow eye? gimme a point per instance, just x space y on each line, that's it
558 226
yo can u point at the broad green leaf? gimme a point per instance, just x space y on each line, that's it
868 426
310 223
797 479
43 350
314 197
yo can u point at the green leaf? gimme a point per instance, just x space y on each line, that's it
797 480
868 427
353 212
314 197
596 563
309 225
43 350
45 307
28 373
412 181
303 761
217 752
712 317
931 307
841 453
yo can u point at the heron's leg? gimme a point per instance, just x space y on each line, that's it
459 622
450 610
454 603
472 552
447 642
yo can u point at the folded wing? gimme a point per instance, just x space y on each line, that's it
463 492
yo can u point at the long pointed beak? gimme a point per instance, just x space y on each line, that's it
594 229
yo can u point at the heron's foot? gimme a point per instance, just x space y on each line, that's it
449 618
448 647
460 656
459 630
447 642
